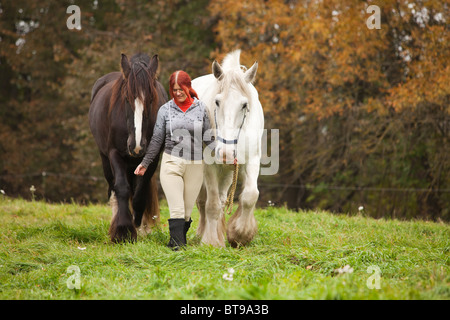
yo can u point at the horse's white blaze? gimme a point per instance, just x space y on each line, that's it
138 114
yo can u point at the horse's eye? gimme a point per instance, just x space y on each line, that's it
217 103
244 106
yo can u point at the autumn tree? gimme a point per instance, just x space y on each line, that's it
47 72
363 113
35 49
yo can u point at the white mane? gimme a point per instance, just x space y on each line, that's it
233 75
232 61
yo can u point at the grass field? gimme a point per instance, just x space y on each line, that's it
294 256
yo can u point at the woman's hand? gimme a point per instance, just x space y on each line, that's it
140 170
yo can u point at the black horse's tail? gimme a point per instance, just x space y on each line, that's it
151 216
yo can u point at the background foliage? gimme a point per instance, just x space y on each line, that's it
363 114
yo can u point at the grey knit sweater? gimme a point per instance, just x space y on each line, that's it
182 132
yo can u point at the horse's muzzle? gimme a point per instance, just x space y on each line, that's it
226 154
136 151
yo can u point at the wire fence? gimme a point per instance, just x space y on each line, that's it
351 188
261 184
51 174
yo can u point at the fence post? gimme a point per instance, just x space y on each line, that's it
44 174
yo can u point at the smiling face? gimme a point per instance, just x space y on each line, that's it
180 87
179 93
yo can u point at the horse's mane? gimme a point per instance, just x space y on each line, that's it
140 80
233 75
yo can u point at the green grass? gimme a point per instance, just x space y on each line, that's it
293 256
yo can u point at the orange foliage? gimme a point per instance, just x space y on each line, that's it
355 106
321 57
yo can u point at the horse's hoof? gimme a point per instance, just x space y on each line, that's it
237 240
234 244
124 234
137 220
123 239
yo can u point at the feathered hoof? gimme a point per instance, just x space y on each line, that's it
216 241
120 234
239 240
138 219
241 233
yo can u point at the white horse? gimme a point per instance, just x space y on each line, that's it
237 118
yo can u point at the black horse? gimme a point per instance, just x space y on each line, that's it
122 115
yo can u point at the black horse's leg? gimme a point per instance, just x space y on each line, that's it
122 228
140 197
107 173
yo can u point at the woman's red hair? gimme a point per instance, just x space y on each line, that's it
184 81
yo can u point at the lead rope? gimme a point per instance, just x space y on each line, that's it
230 198
229 203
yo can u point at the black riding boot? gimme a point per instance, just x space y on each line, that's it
177 235
187 225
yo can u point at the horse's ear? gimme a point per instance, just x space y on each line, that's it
154 63
125 66
217 70
250 74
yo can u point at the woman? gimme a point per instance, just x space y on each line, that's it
178 125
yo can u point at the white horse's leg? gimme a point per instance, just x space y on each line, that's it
201 203
214 222
242 225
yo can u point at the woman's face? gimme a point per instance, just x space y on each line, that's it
178 93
